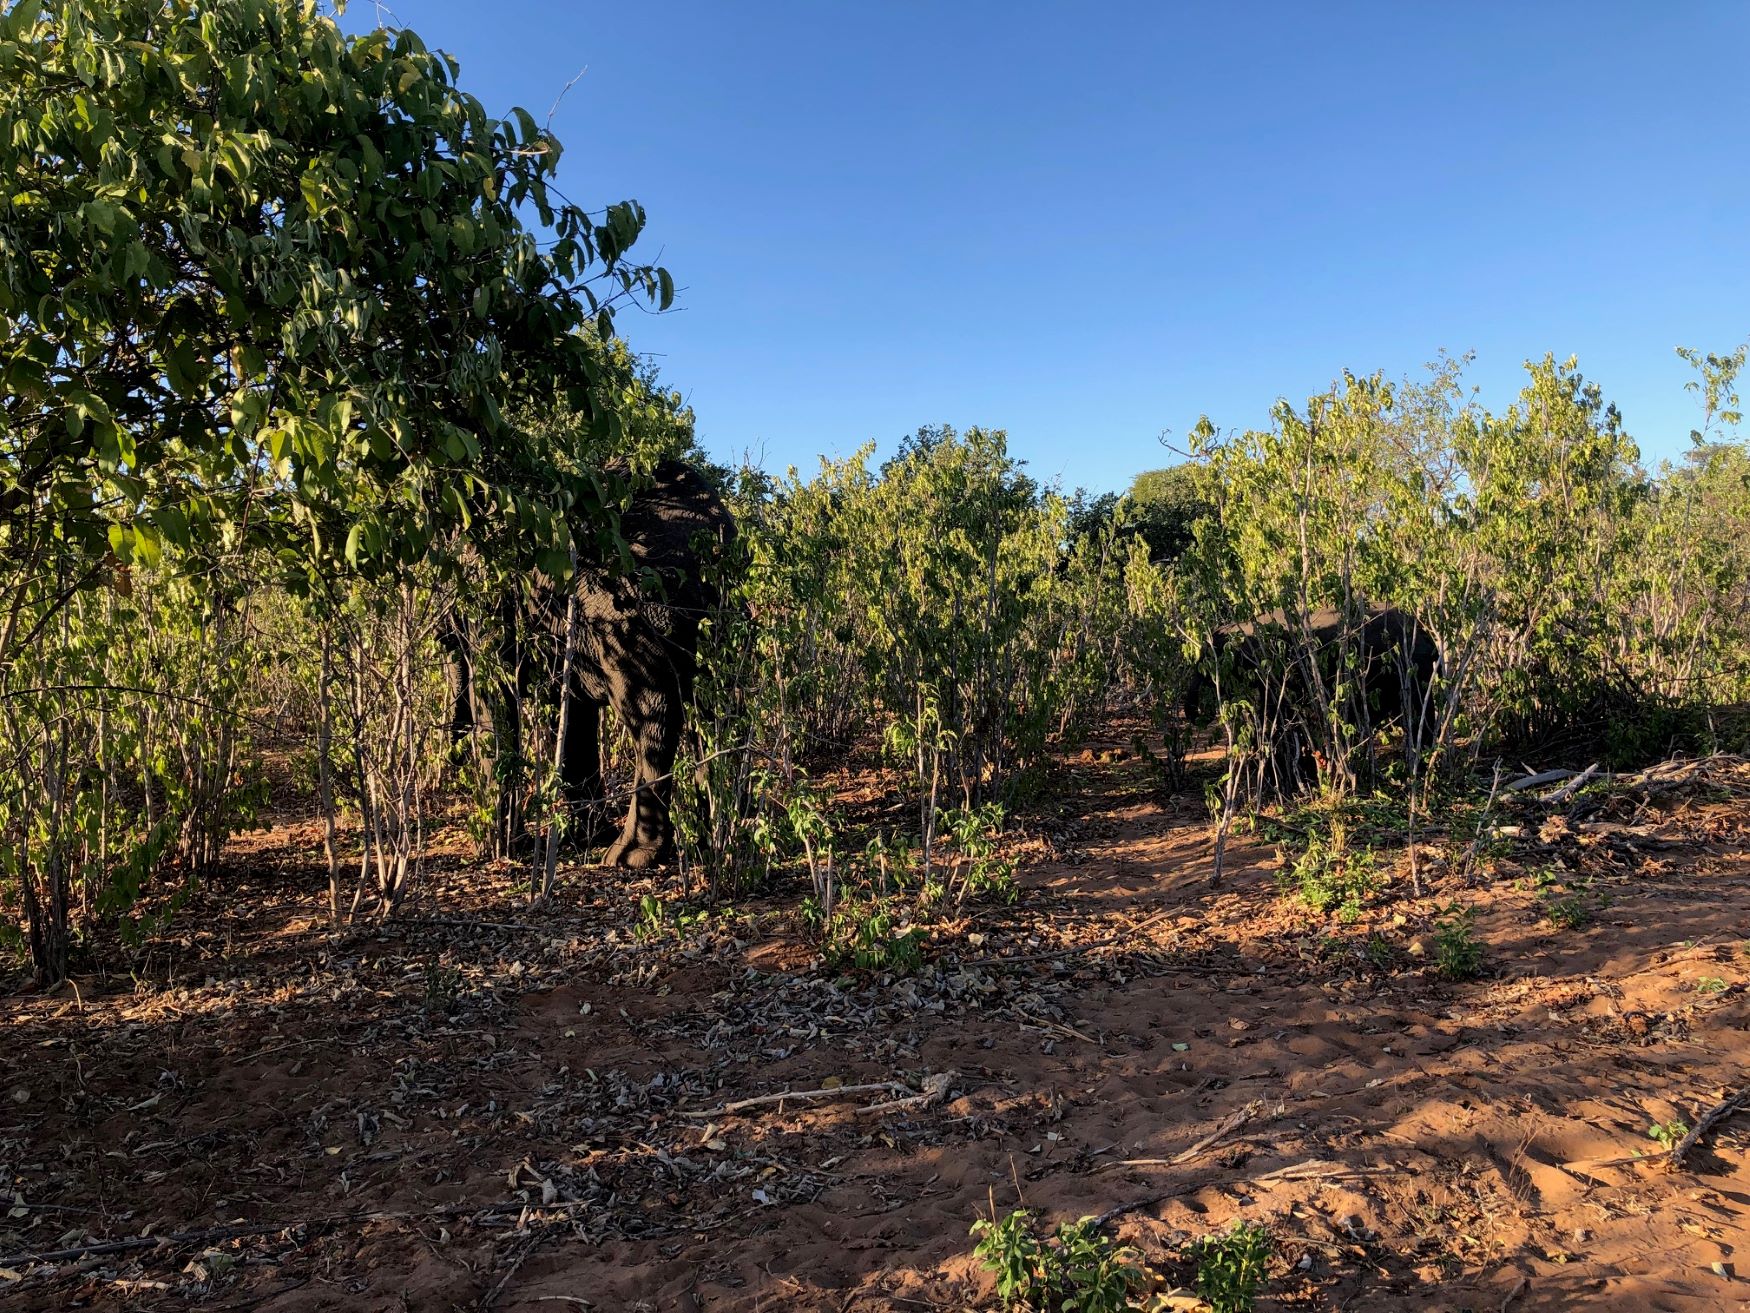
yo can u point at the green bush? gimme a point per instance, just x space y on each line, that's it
1330 876
1076 1268
1457 954
874 934
1231 1268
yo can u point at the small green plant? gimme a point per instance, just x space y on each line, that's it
1542 879
1457 954
974 869
443 988
1232 1267
1329 876
1569 912
652 918
1095 1276
867 934
1710 985
1077 1268
890 858
1009 1251
811 824
1668 1134
656 918
1381 954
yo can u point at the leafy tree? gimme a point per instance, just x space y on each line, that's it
1165 506
267 287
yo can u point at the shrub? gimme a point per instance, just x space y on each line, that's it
1232 1267
1077 1268
1330 876
867 933
1457 954
1569 912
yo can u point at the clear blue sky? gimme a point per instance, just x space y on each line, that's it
1087 224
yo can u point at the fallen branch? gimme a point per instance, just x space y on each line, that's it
1041 1023
1572 787
1314 1169
285 1048
1710 1119
1231 1123
1541 778
472 923
1627 1159
1070 949
934 1091
829 1092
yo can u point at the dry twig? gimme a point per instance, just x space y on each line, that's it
1231 1123
934 1091
1709 1119
830 1092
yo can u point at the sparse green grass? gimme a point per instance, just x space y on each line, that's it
1569 912
1568 902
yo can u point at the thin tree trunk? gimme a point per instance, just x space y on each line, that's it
550 860
325 770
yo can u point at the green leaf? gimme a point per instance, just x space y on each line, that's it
173 524
20 18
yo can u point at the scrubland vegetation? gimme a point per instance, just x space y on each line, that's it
303 353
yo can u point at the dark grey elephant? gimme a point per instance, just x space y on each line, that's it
636 651
1269 661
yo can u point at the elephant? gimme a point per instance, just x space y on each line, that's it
634 650
1395 659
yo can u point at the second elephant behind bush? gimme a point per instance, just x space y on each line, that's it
1383 655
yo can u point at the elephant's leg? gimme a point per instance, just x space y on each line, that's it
458 681
648 836
580 769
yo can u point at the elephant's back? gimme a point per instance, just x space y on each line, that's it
673 517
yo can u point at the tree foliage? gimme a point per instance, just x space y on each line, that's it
273 300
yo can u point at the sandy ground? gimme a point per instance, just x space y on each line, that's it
485 1107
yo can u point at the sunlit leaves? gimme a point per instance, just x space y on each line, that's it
270 308
288 267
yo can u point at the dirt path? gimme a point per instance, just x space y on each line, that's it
497 1109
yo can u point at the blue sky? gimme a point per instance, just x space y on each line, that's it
1088 224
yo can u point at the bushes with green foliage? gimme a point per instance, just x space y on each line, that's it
1077 1267
1231 1268
1574 596
300 350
